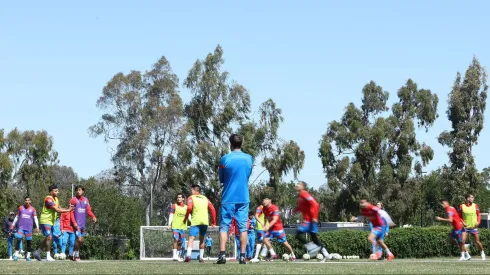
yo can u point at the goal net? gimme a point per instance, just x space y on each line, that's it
156 243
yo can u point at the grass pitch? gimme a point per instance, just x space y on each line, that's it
432 266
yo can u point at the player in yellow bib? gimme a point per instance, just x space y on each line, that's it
470 213
199 206
49 212
177 224
261 223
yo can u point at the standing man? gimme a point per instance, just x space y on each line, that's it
457 231
199 206
470 212
66 225
310 209
209 245
7 232
177 224
251 235
79 217
48 217
234 172
26 214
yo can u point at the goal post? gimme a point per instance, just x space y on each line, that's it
156 243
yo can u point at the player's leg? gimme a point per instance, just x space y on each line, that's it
71 243
267 244
193 233
226 216
260 244
476 235
281 238
80 238
203 229
175 248
29 244
382 244
250 246
18 236
46 244
10 241
323 249
55 244
241 215
64 240
457 235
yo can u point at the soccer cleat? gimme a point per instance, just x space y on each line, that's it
242 260
37 255
77 259
255 261
49 259
390 257
187 259
326 258
175 259
462 258
467 257
11 259
221 259
373 257
483 256
201 260
293 258
28 259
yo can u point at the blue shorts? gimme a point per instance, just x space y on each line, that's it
198 230
472 231
279 235
308 227
80 232
260 235
179 234
47 229
378 232
457 235
20 234
239 211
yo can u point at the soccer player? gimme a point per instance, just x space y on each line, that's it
234 172
68 234
57 237
7 232
251 235
176 223
209 245
470 212
79 216
457 222
25 215
48 217
274 229
310 209
198 205
261 223
372 213
388 222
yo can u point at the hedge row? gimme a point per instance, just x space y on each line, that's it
413 242
94 247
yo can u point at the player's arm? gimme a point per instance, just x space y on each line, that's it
49 203
190 205
213 213
36 221
449 219
171 215
478 215
6 227
90 213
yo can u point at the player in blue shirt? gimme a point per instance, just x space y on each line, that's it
234 172
251 235
209 244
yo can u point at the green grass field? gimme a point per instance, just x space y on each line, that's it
430 266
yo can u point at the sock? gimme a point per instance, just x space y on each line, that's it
48 254
263 253
462 254
273 253
325 252
467 254
189 252
388 251
201 253
16 252
174 251
28 254
374 248
258 247
242 255
292 255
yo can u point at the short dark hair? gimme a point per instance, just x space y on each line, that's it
251 213
79 187
52 187
196 187
26 197
180 194
236 141
468 195
305 185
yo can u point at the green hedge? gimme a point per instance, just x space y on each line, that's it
413 242
94 247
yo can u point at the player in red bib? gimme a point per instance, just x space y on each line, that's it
372 213
274 229
457 222
310 209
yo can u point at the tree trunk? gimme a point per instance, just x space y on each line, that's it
147 212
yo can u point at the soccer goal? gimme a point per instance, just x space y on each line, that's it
156 243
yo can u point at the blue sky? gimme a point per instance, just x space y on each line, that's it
311 57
